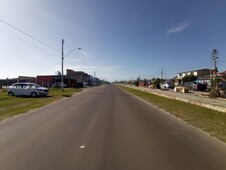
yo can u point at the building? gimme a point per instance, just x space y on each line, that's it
71 79
222 75
203 75
47 80
27 79
8 82
79 76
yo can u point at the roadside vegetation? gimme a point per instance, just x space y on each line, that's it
211 121
10 106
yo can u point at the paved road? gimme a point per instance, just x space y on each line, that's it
105 128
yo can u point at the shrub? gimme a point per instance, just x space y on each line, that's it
215 92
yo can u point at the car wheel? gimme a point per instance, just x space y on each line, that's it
33 94
10 93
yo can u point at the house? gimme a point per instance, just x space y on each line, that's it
8 82
70 79
26 79
79 76
222 75
203 75
47 80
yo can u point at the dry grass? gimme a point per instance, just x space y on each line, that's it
10 106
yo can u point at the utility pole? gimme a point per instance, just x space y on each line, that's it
161 75
62 64
62 67
214 60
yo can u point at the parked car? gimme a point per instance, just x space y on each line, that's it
27 89
78 85
220 91
222 87
196 86
58 85
166 85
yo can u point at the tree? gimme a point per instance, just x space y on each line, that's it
58 73
137 81
189 78
214 60
215 91
156 83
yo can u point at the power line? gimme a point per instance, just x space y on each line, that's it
28 35
28 42
67 45
73 62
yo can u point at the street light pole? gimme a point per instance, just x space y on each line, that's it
62 64
62 67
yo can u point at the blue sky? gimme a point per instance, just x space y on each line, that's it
120 39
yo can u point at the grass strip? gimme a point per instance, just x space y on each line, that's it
11 105
210 121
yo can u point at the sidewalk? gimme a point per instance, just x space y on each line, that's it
193 97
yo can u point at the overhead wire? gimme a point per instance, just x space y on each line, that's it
9 34
67 45
28 35
37 40
70 59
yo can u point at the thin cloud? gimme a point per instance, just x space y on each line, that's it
85 55
178 28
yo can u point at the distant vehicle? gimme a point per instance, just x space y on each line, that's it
222 86
167 85
85 84
58 85
78 85
190 85
196 86
27 89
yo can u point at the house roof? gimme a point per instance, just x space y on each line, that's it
195 70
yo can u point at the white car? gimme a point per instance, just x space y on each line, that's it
59 85
166 85
27 89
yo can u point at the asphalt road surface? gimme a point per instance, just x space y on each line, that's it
105 128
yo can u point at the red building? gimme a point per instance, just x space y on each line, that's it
71 79
46 81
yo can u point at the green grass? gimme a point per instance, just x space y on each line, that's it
211 121
10 106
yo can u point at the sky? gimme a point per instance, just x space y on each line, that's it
119 39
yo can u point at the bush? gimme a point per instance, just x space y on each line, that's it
136 83
156 83
189 78
213 82
215 92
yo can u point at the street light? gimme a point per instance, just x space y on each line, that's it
62 64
